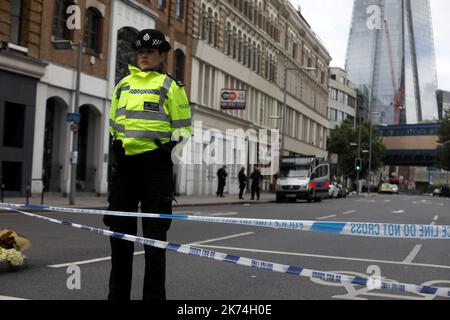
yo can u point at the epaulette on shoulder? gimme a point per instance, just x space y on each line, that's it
178 82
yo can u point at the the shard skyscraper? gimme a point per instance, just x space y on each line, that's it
391 52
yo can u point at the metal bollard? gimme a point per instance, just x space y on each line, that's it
2 192
42 192
28 193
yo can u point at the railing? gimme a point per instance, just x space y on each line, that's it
29 190
2 190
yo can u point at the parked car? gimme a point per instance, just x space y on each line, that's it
445 192
333 191
386 188
395 189
343 191
436 192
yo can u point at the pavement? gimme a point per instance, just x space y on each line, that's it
101 202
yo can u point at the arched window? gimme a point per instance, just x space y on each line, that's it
204 23
178 64
179 9
254 53
216 30
125 53
245 46
234 42
228 39
258 64
239 46
211 28
93 30
60 30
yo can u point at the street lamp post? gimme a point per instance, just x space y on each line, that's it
66 45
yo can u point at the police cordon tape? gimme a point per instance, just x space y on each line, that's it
373 283
361 229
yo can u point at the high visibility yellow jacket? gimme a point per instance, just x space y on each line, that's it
147 106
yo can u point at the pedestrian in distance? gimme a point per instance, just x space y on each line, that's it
221 176
149 115
242 177
256 178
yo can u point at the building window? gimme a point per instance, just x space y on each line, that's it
125 54
179 9
12 175
60 30
179 65
16 14
93 30
351 101
14 125
333 77
162 4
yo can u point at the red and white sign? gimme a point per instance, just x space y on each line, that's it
231 99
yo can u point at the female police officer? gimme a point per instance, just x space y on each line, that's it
149 114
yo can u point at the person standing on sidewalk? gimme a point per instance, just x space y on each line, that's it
256 181
149 115
242 182
222 176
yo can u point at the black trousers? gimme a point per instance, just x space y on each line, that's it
241 190
220 188
255 189
144 179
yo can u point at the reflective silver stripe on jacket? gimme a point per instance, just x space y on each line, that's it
120 112
181 123
120 89
146 115
164 91
142 134
116 126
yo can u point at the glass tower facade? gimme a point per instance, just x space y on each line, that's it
391 52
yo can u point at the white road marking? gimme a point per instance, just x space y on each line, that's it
223 238
10 298
329 257
65 265
327 217
387 200
413 254
223 214
349 212
436 218
398 211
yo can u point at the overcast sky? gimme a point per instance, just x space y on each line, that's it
330 20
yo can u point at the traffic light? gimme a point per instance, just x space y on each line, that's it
358 164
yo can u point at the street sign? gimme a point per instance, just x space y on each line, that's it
75 127
231 99
73 117
334 158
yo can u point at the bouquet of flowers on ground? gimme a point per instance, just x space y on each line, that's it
11 247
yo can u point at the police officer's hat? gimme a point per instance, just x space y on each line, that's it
151 38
